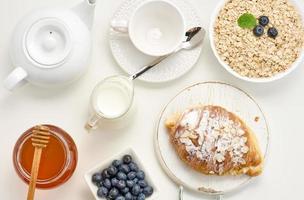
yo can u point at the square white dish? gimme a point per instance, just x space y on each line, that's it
107 163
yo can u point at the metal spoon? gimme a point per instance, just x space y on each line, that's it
194 37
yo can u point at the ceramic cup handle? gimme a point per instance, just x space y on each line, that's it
92 122
120 26
15 79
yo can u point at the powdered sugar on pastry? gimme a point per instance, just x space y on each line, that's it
212 137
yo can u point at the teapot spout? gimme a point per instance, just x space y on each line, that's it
86 11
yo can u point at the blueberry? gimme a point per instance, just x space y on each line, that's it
127 159
141 196
121 184
135 180
264 21
135 190
258 31
107 183
131 175
140 175
133 167
114 182
121 176
272 32
96 178
120 198
142 183
148 191
116 163
102 192
124 168
128 196
99 184
130 183
125 190
112 170
113 193
105 174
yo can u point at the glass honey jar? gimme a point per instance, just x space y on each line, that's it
58 159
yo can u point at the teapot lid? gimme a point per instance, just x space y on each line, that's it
48 42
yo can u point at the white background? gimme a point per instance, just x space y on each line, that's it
282 102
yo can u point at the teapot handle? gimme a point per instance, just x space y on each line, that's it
15 79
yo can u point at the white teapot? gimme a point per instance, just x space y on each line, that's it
52 47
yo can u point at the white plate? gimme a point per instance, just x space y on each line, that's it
88 175
131 60
209 93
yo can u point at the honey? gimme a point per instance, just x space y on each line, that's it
58 159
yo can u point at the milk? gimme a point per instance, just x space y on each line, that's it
112 101
113 97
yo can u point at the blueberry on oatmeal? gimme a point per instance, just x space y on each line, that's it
264 21
272 32
258 30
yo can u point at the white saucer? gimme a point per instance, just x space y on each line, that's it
131 60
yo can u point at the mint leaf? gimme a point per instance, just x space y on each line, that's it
247 20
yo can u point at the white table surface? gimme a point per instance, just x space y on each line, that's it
282 102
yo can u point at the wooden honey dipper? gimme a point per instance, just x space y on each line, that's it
40 139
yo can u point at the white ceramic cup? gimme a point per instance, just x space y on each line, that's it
156 27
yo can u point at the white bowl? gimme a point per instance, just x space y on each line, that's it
300 7
107 163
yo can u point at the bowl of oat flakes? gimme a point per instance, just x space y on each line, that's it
258 40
